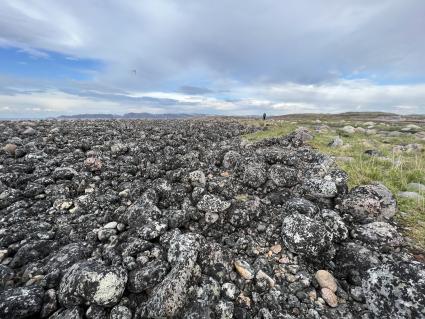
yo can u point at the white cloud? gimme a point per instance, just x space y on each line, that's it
287 98
250 56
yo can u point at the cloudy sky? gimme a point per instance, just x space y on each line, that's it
218 57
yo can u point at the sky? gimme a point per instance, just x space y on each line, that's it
237 57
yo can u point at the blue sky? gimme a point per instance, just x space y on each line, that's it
216 57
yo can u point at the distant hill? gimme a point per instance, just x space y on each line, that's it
360 116
165 116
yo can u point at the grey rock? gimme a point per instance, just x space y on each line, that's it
120 312
378 234
336 142
396 290
308 237
93 282
168 298
410 195
147 277
212 204
283 176
231 159
254 174
21 302
71 313
369 203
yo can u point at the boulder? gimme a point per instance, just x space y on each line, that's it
378 234
307 237
396 290
147 277
22 302
91 281
283 176
369 203
168 297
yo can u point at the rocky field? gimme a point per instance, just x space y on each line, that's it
184 219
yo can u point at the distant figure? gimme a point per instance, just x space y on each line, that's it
264 116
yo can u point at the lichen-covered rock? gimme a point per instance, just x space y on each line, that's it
168 298
67 256
319 188
120 312
147 277
369 203
300 205
231 159
355 258
22 302
6 275
212 204
254 174
197 178
396 290
90 281
283 176
71 313
183 247
334 224
378 234
307 236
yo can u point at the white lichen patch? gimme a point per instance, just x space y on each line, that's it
109 290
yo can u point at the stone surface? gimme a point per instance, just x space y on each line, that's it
307 236
20 302
369 203
92 282
396 290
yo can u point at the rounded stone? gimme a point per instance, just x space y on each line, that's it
326 280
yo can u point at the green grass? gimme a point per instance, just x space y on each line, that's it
395 172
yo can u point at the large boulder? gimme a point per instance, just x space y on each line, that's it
378 234
308 237
67 256
368 203
147 277
254 174
171 294
21 302
283 176
93 282
396 290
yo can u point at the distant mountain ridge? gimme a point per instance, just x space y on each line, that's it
100 116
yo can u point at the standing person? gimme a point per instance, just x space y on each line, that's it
264 116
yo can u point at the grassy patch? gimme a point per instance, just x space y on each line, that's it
394 170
